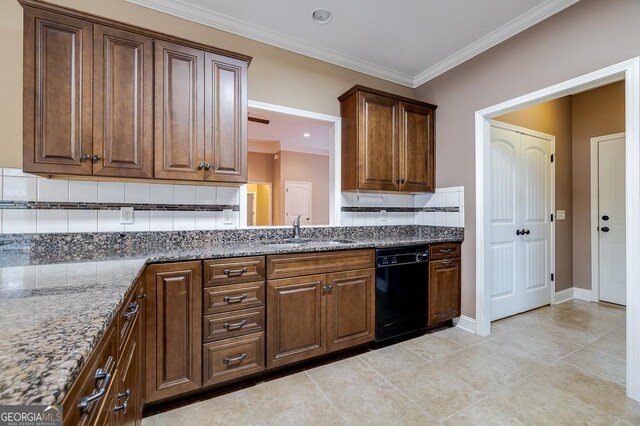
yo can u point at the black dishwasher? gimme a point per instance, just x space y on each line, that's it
401 291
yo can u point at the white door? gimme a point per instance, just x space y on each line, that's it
520 222
611 220
297 202
251 209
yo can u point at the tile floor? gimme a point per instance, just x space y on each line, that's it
560 365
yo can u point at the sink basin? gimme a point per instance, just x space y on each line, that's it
285 245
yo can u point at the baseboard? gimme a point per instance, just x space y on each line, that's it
582 294
466 323
564 295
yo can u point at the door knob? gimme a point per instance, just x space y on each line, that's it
526 231
605 217
605 229
518 232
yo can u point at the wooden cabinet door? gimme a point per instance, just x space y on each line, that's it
57 93
123 103
350 308
295 319
417 150
173 347
130 366
179 112
377 142
444 290
225 119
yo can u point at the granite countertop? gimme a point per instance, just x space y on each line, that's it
53 312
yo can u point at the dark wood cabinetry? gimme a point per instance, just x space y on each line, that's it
388 142
173 329
444 283
106 99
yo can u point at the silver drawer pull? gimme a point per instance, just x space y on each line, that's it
238 358
235 326
122 407
133 310
86 401
234 272
235 299
446 263
445 250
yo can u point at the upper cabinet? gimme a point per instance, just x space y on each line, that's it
388 142
106 99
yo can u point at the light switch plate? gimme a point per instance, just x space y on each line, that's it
561 214
227 217
126 215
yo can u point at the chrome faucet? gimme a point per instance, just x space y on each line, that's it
296 227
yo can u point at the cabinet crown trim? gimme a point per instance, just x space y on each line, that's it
359 88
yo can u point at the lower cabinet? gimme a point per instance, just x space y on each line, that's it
444 290
311 315
173 330
233 358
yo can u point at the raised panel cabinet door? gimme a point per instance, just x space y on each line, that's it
444 291
417 148
173 347
123 103
57 93
225 119
179 112
350 308
295 319
377 142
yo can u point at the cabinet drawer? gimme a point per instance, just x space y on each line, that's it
444 251
232 358
95 380
233 297
233 324
295 265
233 271
128 315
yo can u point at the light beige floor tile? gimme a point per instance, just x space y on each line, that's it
613 344
461 337
487 413
437 392
606 307
378 403
227 409
604 365
512 355
565 331
392 359
588 321
542 405
150 421
543 343
588 388
634 416
343 374
431 346
270 399
318 413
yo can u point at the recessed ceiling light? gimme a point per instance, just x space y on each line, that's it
306 135
321 16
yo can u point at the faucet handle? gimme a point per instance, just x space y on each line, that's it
296 221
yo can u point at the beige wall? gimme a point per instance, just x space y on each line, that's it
597 112
275 75
554 118
588 36
260 167
312 168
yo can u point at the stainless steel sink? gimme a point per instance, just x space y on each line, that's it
332 242
295 243
285 245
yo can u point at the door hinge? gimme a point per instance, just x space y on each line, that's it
552 277
552 157
551 217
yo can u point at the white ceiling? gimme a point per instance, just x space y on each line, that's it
404 41
285 132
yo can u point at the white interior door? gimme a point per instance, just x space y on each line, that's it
251 209
520 173
297 202
611 220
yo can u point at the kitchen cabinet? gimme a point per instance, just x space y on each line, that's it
173 329
444 283
388 142
106 99
310 315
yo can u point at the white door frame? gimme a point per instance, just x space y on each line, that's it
630 72
552 183
595 237
335 182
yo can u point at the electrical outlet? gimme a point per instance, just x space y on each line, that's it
126 215
382 217
227 217
561 214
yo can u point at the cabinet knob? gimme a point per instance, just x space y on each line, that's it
200 165
207 166
85 157
96 158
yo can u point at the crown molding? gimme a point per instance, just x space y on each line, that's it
235 26
517 25
254 32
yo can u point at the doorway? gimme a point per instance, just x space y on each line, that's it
608 218
298 196
522 232
259 204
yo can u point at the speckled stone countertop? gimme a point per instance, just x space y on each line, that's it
58 294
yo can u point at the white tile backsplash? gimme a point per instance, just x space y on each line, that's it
52 189
205 195
228 195
83 191
110 192
52 221
205 220
184 221
109 221
140 222
161 194
18 221
137 193
83 220
19 188
184 194
161 220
